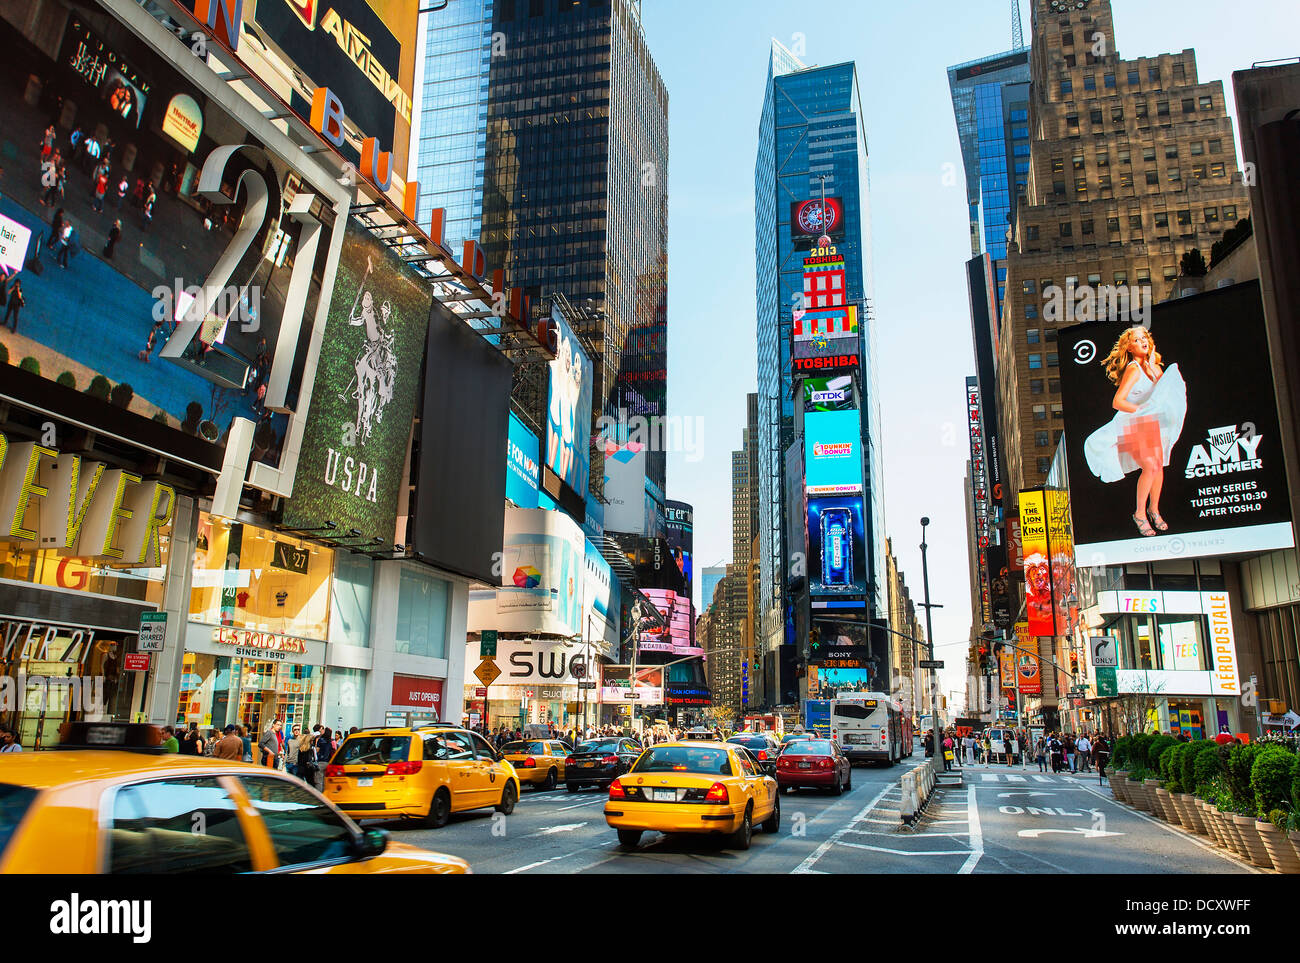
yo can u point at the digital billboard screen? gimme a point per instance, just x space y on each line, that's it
568 413
522 466
829 394
837 547
679 518
825 333
1183 417
812 219
833 452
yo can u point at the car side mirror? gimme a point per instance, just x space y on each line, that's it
372 842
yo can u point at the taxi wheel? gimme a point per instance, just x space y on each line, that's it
508 799
848 783
551 779
439 810
772 823
741 837
838 788
628 838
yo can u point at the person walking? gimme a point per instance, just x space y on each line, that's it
101 188
247 742
231 746
115 235
9 740
148 208
291 751
64 243
1069 747
16 301
56 228
1101 752
1040 754
1083 749
1055 750
123 186
269 746
170 744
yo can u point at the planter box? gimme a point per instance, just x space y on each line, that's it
1215 824
1229 830
1294 836
1254 846
1186 811
1165 805
1149 787
1280 851
1202 818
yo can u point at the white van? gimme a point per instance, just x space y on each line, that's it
999 737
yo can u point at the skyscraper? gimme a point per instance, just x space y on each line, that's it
544 133
811 143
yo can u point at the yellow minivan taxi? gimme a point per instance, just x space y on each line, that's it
426 773
538 762
131 809
694 787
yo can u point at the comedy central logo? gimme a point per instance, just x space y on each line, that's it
304 10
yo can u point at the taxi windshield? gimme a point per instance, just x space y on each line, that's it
14 801
683 759
373 750
523 747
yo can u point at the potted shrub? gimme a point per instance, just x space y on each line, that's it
1177 789
30 364
1293 827
99 387
67 380
1164 807
4 353
1193 780
1118 775
1271 777
121 395
193 415
1241 760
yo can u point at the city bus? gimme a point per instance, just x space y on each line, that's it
869 726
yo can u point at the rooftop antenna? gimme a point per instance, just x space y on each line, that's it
1017 31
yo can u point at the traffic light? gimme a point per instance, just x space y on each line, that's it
1074 663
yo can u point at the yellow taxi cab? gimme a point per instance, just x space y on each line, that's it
538 762
110 801
694 787
426 773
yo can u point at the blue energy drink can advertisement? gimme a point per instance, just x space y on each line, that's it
837 547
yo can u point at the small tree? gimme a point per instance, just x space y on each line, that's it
121 395
1192 264
67 380
1271 776
30 364
99 387
4 353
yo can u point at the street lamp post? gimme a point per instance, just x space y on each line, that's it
929 634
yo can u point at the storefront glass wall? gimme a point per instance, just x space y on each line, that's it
354 577
421 615
345 691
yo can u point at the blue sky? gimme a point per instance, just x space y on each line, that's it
713 57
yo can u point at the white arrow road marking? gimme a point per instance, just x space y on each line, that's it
556 829
1085 833
1023 792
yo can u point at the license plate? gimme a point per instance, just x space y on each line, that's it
664 795
805 765
366 781
855 740
586 765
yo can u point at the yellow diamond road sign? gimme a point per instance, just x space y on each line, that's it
487 671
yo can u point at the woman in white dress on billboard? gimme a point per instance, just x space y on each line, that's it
1150 405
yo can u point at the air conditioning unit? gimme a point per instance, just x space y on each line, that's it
1226 282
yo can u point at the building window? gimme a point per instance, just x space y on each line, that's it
1117 115
1067 38
1040 412
1047 284
1035 362
1140 110
1162 219
1103 159
421 615
1066 229
1153 75
1053 360
1094 278
1197 148
1198 171
1162 108
1170 273
1230 212
1216 146
1121 278
1180 73
1217 170
1171 152
1189 105
1028 286
1058 165
1211 215
1133 78
1126 179
1184 217
1042 439
1148 153
1044 465
1054 385
1095 116
1031 311
1058 413
1175 175
1018 115
1035 386
1144 275
1125 157
1049 335
1067 88
1153 177
1103 181
1085 227
1072 122
1135 222
1112 225
1090 82
1058 187
1032 335
1207 102
1110 81
1077 162
1031 232
1081 185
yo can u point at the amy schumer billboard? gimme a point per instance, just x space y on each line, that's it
1172 433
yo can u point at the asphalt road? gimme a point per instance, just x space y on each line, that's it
1002 820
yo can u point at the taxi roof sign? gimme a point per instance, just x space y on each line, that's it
135 737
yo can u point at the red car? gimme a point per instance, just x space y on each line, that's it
814 762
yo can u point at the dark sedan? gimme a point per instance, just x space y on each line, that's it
598 762
764 748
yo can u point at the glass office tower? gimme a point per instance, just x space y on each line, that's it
811 128
544 132
990 98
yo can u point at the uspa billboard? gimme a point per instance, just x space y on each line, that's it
837 546
1172 433
363 403
568 418
833 452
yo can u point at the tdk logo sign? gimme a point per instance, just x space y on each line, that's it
826 397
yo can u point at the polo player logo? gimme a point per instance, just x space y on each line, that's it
376 364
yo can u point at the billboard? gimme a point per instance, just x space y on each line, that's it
625 496
812 219
522 466
1049 560
617 690
829 394
677 632
568 413
529 662
680 521
541 576
456 520
825 333
833 452
366 383
601 599
1206 428
837 546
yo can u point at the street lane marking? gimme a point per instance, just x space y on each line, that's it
839 834
976 834
906 852
570 827
1023 792
524 869
1086 833
863 832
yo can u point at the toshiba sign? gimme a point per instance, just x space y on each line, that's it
414 692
